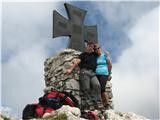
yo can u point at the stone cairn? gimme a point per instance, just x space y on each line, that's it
56 78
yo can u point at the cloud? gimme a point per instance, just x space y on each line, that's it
26 35
135 75
117 18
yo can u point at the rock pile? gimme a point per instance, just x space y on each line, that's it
55 77
72 113
55 73
112 115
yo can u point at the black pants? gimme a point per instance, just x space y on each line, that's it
102 80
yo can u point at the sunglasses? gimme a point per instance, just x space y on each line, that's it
97 48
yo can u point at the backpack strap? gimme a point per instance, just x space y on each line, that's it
70 97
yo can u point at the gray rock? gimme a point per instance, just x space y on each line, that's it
72 113
112 115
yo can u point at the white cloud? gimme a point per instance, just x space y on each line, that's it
27 31
135 76
124 13
28 22
118 19
23 79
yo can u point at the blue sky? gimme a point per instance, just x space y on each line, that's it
123 29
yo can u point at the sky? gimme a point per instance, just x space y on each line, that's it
128 30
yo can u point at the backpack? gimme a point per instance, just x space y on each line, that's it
56 99
29 111
48 103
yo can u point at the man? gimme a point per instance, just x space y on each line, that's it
89 83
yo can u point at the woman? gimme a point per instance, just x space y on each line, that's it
103 71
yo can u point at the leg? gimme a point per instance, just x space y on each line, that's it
103 80
96 93
95 89
85 88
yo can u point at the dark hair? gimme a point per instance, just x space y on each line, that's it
90 43
95 45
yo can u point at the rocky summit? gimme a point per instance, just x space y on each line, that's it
72 113
57 79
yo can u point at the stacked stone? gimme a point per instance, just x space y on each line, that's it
110 95
57 79
55 73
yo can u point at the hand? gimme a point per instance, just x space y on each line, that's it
69 71
107 53
109 77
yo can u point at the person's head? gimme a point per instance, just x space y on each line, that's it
97 49
90 47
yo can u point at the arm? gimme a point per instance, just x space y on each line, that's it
109 63
109 69
109 66
75 64
107 53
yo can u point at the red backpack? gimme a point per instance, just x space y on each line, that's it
48 103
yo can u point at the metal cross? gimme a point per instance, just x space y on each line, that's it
74 27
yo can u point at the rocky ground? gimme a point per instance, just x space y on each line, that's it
72 113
